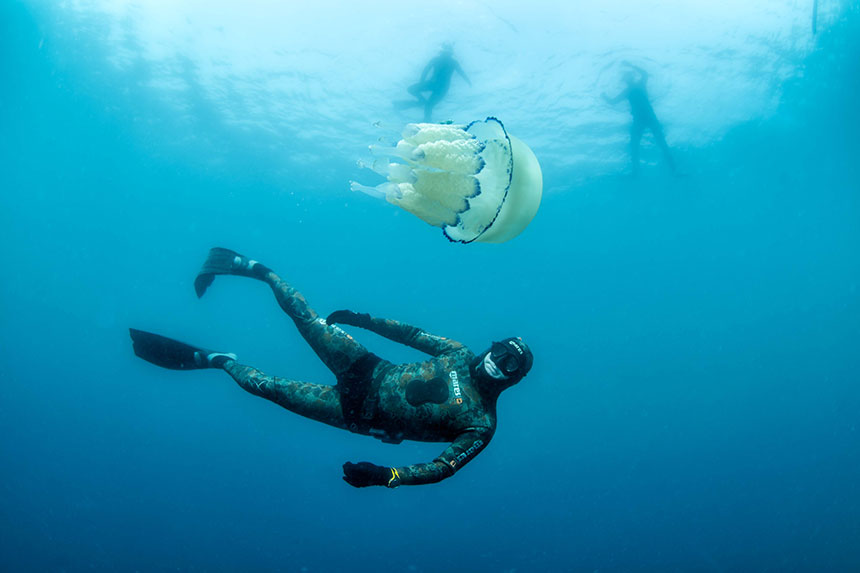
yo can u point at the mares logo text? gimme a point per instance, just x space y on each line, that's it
455 382
467 454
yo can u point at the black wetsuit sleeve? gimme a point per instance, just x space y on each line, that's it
459 453
412 336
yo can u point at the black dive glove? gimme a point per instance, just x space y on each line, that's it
362 320
365 474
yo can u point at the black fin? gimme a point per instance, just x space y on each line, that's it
220 261
166 352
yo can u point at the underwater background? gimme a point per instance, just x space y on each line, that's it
694 400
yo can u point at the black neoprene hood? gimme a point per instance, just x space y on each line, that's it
518 348
514 347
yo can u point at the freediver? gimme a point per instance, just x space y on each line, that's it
449 398
643 114
443 67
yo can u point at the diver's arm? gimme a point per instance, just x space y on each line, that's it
464 448
397 331
460 71
459 453
643 75
614 100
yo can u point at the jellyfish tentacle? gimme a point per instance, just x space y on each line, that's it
430 211
396 172
381 191
402 173
418 133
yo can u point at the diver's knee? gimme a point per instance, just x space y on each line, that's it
249 378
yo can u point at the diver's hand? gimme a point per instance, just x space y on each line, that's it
364 474
361 320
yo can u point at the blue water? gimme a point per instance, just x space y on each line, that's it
694 400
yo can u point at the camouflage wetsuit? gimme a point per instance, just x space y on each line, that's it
437 400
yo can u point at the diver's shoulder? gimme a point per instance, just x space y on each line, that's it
460 347
461 352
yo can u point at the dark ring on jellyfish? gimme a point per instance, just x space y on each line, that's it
510 170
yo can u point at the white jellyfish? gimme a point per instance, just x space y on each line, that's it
474 181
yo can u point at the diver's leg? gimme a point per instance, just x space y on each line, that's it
315 401
635 141
333 345
434 98
337 349
657 130
416 91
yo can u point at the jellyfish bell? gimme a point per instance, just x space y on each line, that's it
476 182
521 203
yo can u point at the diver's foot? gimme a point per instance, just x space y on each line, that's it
212 359
222 261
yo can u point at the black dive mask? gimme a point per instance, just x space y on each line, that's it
508 359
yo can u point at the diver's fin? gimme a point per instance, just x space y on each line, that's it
218 262
222 261
169 353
